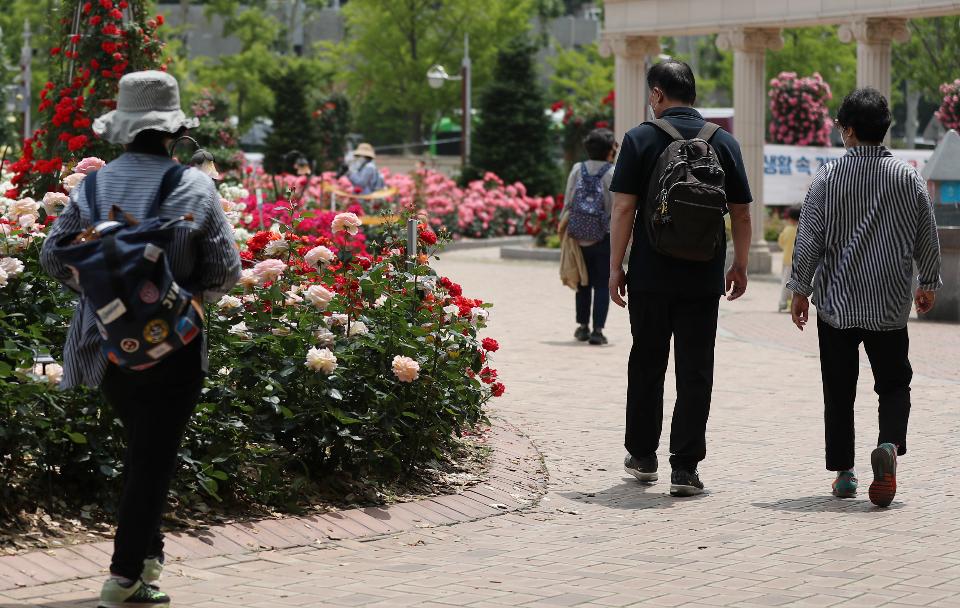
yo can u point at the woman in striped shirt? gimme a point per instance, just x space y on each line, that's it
155 404
866 221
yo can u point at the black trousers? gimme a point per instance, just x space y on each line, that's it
596 258
692 322
154 406
840 367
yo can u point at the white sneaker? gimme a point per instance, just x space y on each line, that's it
152 570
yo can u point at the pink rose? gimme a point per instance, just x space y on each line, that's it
88 164
346 221
268 270
405 369
72 181
53 202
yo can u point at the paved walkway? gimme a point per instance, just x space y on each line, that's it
767 533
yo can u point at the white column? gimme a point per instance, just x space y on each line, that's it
874 38
749 46
631 57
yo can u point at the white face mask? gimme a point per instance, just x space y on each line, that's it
651 112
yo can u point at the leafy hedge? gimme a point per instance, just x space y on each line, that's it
275 419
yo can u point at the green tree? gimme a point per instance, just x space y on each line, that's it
581 76
392 43
294 127
929 58
513 140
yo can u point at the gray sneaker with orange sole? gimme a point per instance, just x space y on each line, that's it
884 486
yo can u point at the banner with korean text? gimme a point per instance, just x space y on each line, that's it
788 170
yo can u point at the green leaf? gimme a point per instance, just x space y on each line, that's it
335 394
219 475
77 437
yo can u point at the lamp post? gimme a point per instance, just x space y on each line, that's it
26 58
437 75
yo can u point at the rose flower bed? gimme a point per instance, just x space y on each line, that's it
330 362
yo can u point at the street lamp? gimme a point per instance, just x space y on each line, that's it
437 75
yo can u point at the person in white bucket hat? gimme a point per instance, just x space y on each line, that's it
149 100
154 404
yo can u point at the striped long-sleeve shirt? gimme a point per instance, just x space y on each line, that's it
203 256
866 221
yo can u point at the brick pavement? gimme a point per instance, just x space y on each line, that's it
767 533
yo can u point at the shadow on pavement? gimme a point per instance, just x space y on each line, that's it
632 495
87 603
571 342
825 504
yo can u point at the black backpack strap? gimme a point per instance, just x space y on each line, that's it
90 193
708 131
667 128
171 179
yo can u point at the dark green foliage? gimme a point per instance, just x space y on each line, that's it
513 139
333 122
294 128
216 133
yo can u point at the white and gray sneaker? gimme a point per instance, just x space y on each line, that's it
644 468
152 569
685 483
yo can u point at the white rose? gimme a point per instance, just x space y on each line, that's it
54 202
478 314
229 303
319 296
337 319
54 373
358 328
3 277
405 369
248 278
325 337
319 255
292 296
72 181
27 220
240 329
380 301
450 312
321 360
241 235
25 206
11 266
275 248
428 284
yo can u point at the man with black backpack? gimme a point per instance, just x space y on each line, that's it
675 179
142 235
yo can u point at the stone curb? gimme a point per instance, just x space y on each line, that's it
541 254
517 479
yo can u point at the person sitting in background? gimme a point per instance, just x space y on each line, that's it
588 185
787 238
363 172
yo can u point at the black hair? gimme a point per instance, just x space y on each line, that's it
599 143
151 141
867 112
675 79
793 213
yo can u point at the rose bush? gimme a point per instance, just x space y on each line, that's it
485 208
327 362
799 109
949 112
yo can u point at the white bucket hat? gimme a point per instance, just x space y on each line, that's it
147 100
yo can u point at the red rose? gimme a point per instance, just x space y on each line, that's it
55 50
95 20
116 14
428 237
109 47
159 19
497 389
77 143
106 4
455 290
489 344
87 7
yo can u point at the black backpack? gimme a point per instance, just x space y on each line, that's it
686 200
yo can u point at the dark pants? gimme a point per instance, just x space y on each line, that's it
596 257
154 406
692 322
840 366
